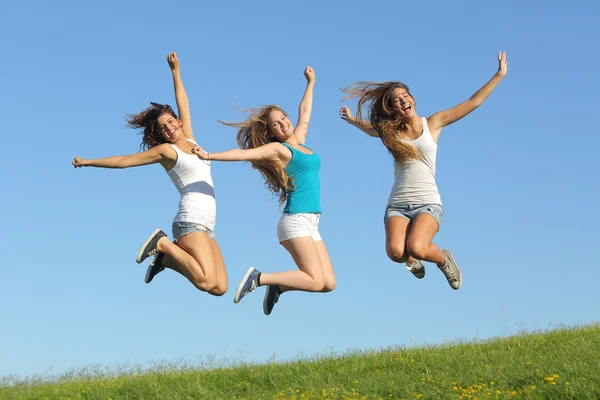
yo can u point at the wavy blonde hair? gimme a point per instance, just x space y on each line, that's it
255 132
377 97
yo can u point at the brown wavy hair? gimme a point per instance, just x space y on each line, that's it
377 97
147 121
255 132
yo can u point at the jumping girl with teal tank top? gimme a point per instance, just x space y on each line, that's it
291 170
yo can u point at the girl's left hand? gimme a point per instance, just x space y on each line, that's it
199 151
502 63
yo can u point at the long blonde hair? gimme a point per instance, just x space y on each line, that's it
254 132
387 121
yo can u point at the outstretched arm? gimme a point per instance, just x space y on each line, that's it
444 118
266 152
157 154
305 107
364 126
183 104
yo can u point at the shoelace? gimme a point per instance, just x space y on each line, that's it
152 252
450 273
250 289
413 266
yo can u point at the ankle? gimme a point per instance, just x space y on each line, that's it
161 244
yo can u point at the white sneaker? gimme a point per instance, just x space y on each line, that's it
417 268
451 271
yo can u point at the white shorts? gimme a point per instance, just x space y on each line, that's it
293 226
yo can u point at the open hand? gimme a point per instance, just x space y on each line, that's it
79 162
173 61
309 74
502 63
346 114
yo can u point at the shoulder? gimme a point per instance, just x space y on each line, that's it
166 150
434 126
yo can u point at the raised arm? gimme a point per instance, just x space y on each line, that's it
444 118
158 154
364 126
305 107
183 104
269 151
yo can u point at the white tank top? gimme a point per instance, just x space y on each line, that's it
414 182
193 181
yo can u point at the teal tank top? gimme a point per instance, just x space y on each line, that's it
305 195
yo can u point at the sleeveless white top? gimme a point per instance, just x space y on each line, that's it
414 181
193 181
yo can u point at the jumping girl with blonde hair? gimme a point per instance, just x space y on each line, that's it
291 171
414 211
168 140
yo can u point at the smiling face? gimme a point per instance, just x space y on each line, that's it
169 127
403 102
279 125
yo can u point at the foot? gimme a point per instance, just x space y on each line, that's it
271 296
247 285
417 268
451 271
149 247
155 267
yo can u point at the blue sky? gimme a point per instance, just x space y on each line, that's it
518 177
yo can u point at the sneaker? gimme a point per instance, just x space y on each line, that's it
155 267
451 271
247 285
149 247
271 296
417 268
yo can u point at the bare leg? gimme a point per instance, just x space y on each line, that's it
419 242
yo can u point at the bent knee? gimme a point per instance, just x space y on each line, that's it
396 254
418 249
329 286
208 284
218 291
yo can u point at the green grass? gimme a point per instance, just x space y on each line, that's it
559 364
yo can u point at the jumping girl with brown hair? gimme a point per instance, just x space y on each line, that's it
291 171
414 211
168 140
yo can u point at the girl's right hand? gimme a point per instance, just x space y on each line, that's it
173 61
199 151
79 162
346 114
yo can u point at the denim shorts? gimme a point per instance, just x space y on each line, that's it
410 211
185 228
293 226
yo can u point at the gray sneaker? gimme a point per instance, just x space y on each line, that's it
247 285
451 271
417 268
271 296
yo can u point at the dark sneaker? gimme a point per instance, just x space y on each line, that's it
247 285
149 247
451 271
155 267
417 268
271 297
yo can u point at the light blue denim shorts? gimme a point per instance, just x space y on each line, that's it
410 211
185 228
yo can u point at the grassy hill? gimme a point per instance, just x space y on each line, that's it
559 364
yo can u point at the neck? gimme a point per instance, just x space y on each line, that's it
413 122
291 141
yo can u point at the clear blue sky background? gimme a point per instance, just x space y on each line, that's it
518 177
